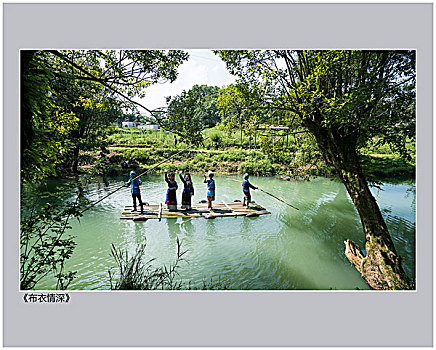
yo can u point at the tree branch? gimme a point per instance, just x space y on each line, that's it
96 79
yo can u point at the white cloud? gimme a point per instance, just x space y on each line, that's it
202 68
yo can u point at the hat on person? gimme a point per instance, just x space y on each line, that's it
132 172
210 172
246 176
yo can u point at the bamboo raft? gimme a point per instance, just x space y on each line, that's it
199 210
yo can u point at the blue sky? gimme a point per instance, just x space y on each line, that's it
202 68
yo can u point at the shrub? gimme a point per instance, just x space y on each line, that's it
202 166
216 140
87 158
44 244
116 158
247 167
136 274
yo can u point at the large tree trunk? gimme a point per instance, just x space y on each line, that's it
240 126
381 266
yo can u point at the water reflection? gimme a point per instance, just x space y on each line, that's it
173 229
187 227
210 227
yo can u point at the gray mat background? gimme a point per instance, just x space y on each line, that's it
280 318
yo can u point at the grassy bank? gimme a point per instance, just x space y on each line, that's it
222 153
195 161
380 161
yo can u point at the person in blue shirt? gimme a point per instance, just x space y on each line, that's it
136 193
246 185
210 189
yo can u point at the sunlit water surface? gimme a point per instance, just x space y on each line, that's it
288 249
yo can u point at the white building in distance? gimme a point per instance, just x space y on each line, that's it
148 127
128 124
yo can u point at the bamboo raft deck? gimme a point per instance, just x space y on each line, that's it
220 209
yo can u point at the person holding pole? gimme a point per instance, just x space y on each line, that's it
136 192
246 185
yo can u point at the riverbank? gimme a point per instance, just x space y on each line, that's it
222 154
197 161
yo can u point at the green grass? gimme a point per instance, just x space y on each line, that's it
382 162
162 139
386 166
221 153
383 150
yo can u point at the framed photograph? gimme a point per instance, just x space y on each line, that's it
177 178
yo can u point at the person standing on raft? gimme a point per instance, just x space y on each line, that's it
246 185
210 189
171 200
188 190
136 192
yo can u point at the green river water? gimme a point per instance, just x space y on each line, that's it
287 249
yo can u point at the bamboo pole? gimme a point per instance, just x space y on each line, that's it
269 194
228 207
281 200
